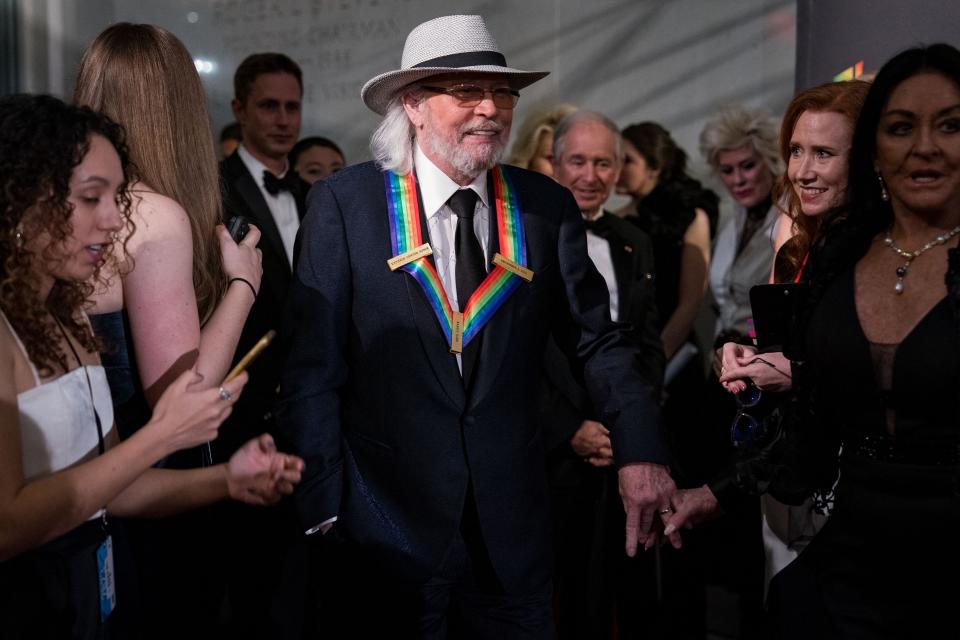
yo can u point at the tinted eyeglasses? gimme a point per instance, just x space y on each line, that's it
747 430
470 95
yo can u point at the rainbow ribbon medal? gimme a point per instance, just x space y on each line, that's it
410 254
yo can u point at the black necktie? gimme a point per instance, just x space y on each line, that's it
274 185
470 270
470 263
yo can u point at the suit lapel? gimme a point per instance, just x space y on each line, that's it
496 333
431 335
248 190
496 339
623 258
301 198
434 343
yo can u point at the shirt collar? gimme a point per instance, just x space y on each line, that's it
436 187
254 166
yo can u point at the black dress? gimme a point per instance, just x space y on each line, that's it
130 407
682 575
665 219
874 570
163 550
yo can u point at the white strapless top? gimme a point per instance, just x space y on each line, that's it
57 423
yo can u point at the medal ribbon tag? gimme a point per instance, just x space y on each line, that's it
512 267
410 254
408 257
456 340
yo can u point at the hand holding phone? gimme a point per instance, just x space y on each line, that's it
238 226
251 355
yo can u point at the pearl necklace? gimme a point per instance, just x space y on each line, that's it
913 255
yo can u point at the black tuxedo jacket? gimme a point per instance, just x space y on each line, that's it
373 400
565 403
242 196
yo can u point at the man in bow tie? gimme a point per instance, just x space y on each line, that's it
427 286
592 577
260 186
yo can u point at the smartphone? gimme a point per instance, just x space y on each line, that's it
238 226
251 355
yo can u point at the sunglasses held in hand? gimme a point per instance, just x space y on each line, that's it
747 430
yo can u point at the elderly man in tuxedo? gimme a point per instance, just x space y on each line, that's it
594 581
427 285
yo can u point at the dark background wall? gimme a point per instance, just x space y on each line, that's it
9 48
835 34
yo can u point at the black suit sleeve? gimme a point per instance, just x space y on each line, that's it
317 325
624 400
563 401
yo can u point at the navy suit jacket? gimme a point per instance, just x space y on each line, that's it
373 400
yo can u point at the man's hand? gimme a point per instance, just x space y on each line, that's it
592 442
646 490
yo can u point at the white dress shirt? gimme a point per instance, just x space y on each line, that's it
283 206
599 251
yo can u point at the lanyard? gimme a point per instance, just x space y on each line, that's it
803 265
96 416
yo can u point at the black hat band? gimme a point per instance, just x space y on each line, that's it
468 59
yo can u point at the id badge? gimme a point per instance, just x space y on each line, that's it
108 592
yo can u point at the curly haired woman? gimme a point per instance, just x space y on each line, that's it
64 200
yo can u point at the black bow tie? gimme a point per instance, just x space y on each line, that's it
274 185
598 225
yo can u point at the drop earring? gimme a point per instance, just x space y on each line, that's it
884 195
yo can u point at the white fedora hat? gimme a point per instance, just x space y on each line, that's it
444 45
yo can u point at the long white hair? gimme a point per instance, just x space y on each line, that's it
391 144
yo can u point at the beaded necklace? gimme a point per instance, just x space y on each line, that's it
910 256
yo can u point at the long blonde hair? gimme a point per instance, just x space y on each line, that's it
143 77
535 126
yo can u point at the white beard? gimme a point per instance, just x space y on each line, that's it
459 157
